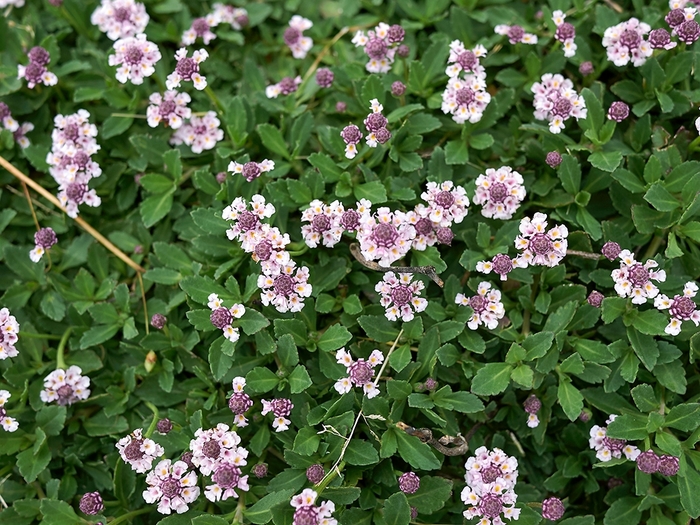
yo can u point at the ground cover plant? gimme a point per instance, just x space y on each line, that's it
353 262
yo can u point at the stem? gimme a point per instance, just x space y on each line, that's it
156 417
302 251
128 115
212 96
129 515
31 206
143 298
60 362
526 316
585 255
329 477
653 247
425 270
79 221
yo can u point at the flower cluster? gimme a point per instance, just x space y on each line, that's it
139 452
380 45
650 462
565 33
608 448
35 72
681 307
376 125
490 492
70 163
135 57
324 224
487 306
286 86
400 296
360 372
9 424
633 279
683 24
500 264
307 513
65 387
281 408
91 503
120 18
187 69
516 34
200 28
222 317
625 42
200 133
294 36
44 239
552 509
556 101
532 406
170 108
465 96
540 247
18 132
237 17
385 236
251 170
172 486
499 192
239 402
352 136
9 328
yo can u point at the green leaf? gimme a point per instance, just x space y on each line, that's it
416 453
606 160
155 207
644 346
685 417
253 321
623 512
51 419
53 306
629 426
596 114
31 465
492 379
378 328
209 519
299 379
273 140
481 141
569 173
374 191
98 334
644 398
456 152
628 180
396 510
260 512
306 442
650 322
688 483
361 452
57 513
570 399
261 380
432 495
661 199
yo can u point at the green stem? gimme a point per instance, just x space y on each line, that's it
129 515
156 417
526 316
331 476
302 251
60 361
694 146
212 96
653 247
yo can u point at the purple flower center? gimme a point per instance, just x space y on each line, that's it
350 220
638 275
675 17
502 264
71 132
360 372
315 473
263 250
81 159
122 14
465 96
239 403
540 244
611 250
564 32
221 318
659 38
553 159
552 509
170 488
200 26
283 285
39 55
167 107
4 110
324 77
164 426
424 226
478 303
375 122
467 60
444 235
395 34
307 515
490 505
688 32
401 295
376 48
133 55
291 36
444 199
321 223
287 85
133 451
498 192
248 221
618 111
682 307
76 191
33 72
409 483
648 462
385 235
532 404
45 238
65 393
226 476
562 107
282 407
516 34
382 135
615 445
630 38
211 449
186 67
351 134
668 465
251 170
595 299
490 474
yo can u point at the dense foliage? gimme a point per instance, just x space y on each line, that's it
184 302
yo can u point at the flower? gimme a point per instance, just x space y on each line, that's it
552 509
200 133
487 306
540 247
340 106
135 57
236 16
607 448
376 123
20 134
360 372
491 478
200 28
625 42
285 287
660 39
9 424
447 203
260 470
351 135
681 307
295 39
74 194
65 386
400 296
385 236
286 86
556 101
91 503
565 33
222 317
532 405
586 68
315 473
633 279
595 299
324 77
139 452
553 159
35 72
648 462
618 111
246 227
251 170
324 224
516 34
226 479
688 32
676 17
381 46
9 328
6 119
215 446
281 408
611 250
120 18
44 239
164 426
465 97
239 402
187 69
398 88
500 192
158 321
172 486
170 108
668 465
500 264
307 513
409 483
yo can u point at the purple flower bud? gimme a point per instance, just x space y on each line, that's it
414 512
351 134
376 48
375 121
226 475
630 38
467 60
282 407
659 38
287 86
491 505
221 177
39 55
240 403
586 68
614 482
502 264
585 416
315 473
675 17
532 404
251 171
340 106
688 32
34 72
403 50
91 503
57 3
611 250
430 384
186 458
221 318
395 34
306 515
409 483
138 249
618 111
360 372
398 88
260 470
4 111
324 77
668 465
515 34
45 238
553 159
350 220
76 191
283 285
465 96
291 36
242 20
164 426
158 321
552 509
595 299
564 32
648 462
444 235
382 135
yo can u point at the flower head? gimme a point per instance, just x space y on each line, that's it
400 296
36 72
169 108
120 18
187 69
315 473
625 42
236 16
681 307
409 483
360 372
286 86
91 503
486 304
595 299
556 101
9 328
611 250
324 224
491 478
307 513
139 452
239 402
172 486
552 509
532 406
9 424
285 287
200 28
553 159
660 39
500 264
633 279
499 192
44 239
212 447
618 111
65 387
135 57
385 236
251 170
516 34
281 408
158 321
295 39
200 133
668 465
608 448
465 96
380 45
540 247
222 317
227 478
351 135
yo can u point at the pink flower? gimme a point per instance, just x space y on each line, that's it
608 448
171 486
200 28
385 236
139 452
72 195
281 409
516 34
324 224
269 249
6 119
9 328
380 45
222 317
20 134
447 203
200 133
465 96
65 386
246 222
286 288
171 108
239 402
681 307
487 306
135 57
540 247
251 170
500 192
215 446
120 18
360 373
286 86
187 69
295 39
400 296
625 42
226 479
500 264
306 512
236 16
9 424
556 101
565 33
633 279
44 239
35 72
491 477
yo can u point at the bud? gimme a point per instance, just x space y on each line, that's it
158 321
260 470
315 473
164 426
150 361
